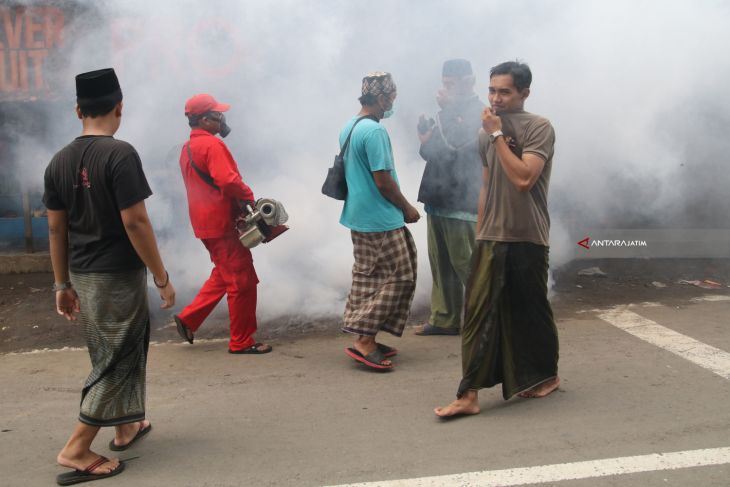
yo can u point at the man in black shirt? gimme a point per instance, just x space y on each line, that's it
101 242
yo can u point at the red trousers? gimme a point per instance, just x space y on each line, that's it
233 275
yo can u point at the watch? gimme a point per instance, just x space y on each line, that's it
62 286
493 136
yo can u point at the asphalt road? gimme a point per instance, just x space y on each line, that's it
307 415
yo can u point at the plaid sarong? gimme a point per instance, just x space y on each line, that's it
509 335
383 282
116 324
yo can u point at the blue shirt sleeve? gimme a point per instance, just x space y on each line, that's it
378 150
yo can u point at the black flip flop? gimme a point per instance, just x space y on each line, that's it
78 476
183 330
252 350
430 330
140 434
372 360
386 350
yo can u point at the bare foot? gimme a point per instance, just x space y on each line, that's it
468 404
542 389
126 432
81 462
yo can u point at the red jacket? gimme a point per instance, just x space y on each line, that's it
212 211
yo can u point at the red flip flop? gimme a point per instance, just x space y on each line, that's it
386 350
372 360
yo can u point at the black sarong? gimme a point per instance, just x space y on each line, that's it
116 325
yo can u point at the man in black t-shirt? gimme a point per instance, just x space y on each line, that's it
101 242
97 175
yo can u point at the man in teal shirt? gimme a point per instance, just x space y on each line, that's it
375 211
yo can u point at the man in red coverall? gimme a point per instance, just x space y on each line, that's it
216 193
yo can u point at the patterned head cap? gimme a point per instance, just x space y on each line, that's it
378 83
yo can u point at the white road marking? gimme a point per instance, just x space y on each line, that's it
648 304
710 298
198 341
711 358
46 350
566 471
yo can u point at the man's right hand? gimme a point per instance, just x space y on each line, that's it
67 303
411 215
491 122
424 128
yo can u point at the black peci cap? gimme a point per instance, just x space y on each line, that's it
457 68
102 83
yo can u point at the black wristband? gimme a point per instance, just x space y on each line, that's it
167 281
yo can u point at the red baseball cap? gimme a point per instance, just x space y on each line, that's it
203 103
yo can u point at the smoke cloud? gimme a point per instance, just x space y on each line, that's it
633 90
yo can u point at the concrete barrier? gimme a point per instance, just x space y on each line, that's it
20 263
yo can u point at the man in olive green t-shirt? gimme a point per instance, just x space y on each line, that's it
509 335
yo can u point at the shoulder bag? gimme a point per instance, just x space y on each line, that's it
335 185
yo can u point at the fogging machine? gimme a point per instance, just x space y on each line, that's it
261 223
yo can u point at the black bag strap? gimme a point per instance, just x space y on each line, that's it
203 175
347 141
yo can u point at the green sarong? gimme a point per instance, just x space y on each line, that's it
115 322
509 335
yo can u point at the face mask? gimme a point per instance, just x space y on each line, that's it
389 112
225 129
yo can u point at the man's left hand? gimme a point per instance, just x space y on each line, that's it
491 121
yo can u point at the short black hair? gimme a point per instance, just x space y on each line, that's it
100 106
520 72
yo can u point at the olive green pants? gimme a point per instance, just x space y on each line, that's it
450 245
